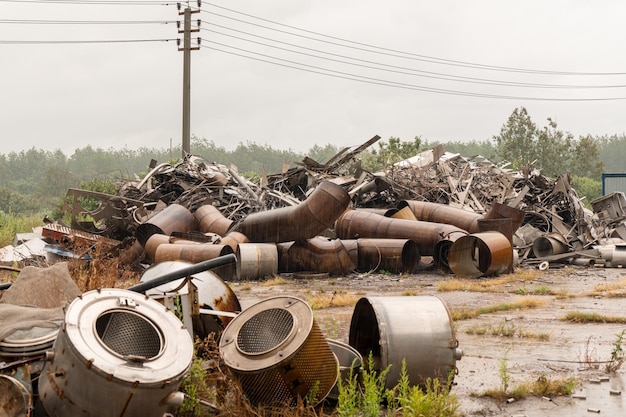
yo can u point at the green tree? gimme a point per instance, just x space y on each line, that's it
390 152
586 159
517 141
553 150
322 154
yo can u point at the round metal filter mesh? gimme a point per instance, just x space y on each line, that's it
129 334
265 331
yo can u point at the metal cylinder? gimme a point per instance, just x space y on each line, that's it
233 239
278 353
480 254
256 260
415 329
441 213
318 254
304 221
195 253
158 239
173 218
119 353
211 220
551 244
432 239
391 255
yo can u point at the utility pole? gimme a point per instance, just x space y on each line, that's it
186 145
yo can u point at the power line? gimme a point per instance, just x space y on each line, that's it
98 2
395 68
83 22
44 42
376 81
394 52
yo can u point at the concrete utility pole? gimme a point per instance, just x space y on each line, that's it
186 145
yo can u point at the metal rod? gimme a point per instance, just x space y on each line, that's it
184 272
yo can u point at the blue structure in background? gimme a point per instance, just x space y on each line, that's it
613 183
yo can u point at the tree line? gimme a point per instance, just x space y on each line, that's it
34 181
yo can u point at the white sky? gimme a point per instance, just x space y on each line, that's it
67 96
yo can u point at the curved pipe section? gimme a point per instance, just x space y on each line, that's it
432 239
301 222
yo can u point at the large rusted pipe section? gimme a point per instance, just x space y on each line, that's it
466 220
306 220
432 239
211 220
318 254
173 218
481 254
441 213
391 255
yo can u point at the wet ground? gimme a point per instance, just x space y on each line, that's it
533 343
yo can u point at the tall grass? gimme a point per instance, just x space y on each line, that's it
11 224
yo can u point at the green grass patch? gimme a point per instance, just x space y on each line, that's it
591 317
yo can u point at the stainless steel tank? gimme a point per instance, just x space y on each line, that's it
417 329
119 353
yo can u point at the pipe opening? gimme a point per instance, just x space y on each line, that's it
265 331
126 334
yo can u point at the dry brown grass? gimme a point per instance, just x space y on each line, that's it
276 280
104 270
522 304
335 299
497 284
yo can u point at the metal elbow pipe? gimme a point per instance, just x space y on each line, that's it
432 239
304 221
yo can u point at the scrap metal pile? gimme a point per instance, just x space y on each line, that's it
337 217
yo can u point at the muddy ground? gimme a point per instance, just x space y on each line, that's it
533 343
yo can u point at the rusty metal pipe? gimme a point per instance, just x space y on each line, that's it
190 252
158 239
184 272
173 218
318 255
481 254
211 220
391 255
234 239
551 244
432 239
301 222
466 220
441 213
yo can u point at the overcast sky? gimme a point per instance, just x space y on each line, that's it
292 74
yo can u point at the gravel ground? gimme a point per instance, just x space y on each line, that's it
532 342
